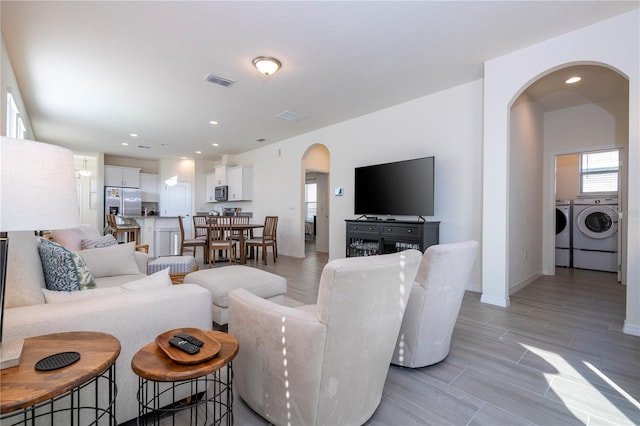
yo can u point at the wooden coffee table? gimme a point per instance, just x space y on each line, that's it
207 384
26 392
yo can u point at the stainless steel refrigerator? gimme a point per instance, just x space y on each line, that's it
125 202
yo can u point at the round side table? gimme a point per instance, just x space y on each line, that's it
206 385
81 393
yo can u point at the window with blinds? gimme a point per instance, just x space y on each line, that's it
599 172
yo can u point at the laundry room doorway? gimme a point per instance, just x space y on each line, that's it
589 191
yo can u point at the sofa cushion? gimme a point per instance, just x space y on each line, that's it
105 241
154 281
63 269
69 296
111 261
25 279
72 238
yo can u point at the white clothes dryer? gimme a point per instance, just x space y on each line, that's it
595 234
563 233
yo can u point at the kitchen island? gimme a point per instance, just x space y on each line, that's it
161 233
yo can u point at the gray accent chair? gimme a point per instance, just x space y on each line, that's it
323 364
436 297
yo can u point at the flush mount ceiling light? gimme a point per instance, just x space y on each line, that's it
572 80
266 64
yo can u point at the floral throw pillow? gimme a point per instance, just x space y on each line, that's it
63 269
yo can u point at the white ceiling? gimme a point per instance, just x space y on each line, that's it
91 73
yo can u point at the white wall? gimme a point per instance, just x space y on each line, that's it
525 207
613 42
567 176
447 124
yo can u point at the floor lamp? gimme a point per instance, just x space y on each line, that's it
37 192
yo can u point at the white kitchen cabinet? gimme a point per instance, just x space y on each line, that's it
221 176
211 188
122 176
240 181
149 187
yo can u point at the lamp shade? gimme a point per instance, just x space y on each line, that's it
37 186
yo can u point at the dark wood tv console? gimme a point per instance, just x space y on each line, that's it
371 237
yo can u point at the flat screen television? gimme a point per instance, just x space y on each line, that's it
402 188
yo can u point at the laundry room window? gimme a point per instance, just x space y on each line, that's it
599 172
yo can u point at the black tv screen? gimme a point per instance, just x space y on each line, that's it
403 188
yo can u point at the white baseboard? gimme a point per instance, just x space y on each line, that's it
524 283
633 329
498 301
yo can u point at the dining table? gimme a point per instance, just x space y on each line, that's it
243 228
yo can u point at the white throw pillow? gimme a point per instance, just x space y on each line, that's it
111 261
159 279
51 296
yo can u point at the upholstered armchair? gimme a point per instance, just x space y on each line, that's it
436 297
323 364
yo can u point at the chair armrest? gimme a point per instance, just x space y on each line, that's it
144 248
267 333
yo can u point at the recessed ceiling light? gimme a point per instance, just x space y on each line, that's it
133 135
198 152
573 79
213 122
215 144
124 144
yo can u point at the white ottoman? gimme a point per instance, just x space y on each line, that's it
220 281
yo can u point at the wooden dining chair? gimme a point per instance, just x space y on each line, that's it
267 239
192 243
200 220
236 232
131 232
222 238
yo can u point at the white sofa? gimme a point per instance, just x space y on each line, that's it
135 318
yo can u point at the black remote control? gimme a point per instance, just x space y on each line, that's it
183 345
189 338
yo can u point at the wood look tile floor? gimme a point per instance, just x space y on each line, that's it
556 356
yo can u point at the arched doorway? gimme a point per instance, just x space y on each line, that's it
550 118
315 200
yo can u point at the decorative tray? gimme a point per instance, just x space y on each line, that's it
208 350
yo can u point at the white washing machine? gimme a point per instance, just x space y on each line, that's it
563 233
595 234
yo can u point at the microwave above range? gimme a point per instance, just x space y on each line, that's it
222 193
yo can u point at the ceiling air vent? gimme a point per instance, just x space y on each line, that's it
218 80
291 115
